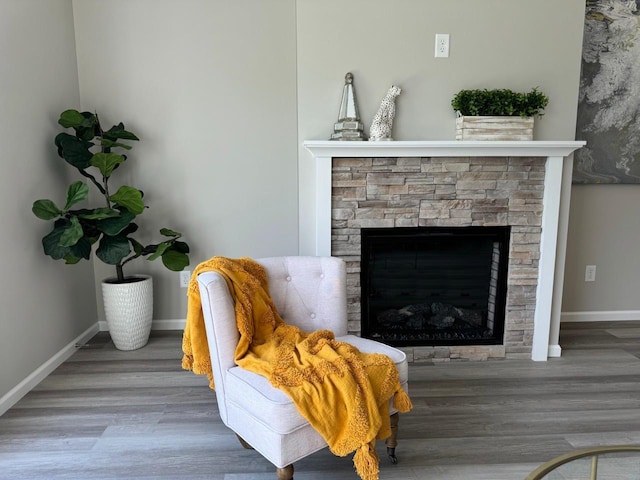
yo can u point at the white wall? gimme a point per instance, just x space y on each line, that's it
209 86
45 304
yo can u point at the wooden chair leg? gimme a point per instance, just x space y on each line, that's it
285 473
244 443
392 441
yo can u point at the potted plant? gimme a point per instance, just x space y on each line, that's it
91 150
499 114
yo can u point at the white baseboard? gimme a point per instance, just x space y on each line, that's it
24 387
176 324
603 316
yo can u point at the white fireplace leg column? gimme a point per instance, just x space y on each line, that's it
323 206
555 350
546 270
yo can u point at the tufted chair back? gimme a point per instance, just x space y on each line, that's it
309 292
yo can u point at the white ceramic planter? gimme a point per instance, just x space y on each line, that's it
128 309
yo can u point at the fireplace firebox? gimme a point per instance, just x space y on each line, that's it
434 286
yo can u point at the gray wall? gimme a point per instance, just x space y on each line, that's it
604 226
45 304
493 44
210 89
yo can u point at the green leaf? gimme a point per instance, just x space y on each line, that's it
51 241
89 225
80 250
129 229
52 244
149 249
72 233
167 232
106 162
129 198
97 213
45 209
181 247
106 143
75 151
89 128
76 192
137 246
118 131
71 260
174 260
115 225
71 118
112 250
161 248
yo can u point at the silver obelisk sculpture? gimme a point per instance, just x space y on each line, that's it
349 126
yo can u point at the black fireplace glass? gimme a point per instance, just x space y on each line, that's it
434 285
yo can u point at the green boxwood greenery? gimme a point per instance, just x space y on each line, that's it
90 150
499 102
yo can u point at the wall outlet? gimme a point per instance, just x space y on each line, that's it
590 273
442 45
185 277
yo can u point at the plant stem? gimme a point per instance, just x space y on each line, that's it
132 257
106 191
119 273
93 180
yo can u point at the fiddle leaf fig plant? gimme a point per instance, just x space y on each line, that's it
92 152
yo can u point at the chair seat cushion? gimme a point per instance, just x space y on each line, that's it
270 406
371 346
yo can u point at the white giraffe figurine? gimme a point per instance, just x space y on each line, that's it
383 121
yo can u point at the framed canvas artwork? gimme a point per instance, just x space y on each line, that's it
609 102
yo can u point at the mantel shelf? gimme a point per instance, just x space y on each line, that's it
453 148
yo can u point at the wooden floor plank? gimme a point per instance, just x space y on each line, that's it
107 414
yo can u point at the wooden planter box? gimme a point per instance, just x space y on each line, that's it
494 128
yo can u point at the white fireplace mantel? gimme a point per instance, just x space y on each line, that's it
556 153
342 149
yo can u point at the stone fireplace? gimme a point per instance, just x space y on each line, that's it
454 185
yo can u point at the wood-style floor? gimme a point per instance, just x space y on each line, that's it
107 414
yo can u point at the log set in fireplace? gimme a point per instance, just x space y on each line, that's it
433 285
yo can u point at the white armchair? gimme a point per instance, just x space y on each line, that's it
310 293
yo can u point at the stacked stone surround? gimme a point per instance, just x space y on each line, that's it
446 192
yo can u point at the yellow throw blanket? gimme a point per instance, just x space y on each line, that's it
343 393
